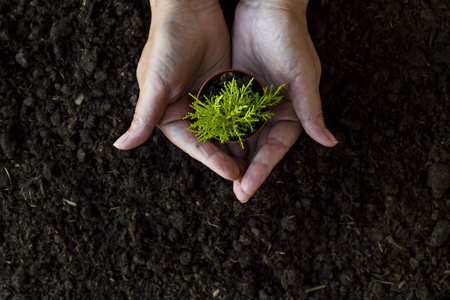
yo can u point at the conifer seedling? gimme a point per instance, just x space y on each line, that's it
234 113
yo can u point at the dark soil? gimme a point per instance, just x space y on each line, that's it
368 219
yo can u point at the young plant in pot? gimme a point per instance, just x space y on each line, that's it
232 106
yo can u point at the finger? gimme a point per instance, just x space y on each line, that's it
306 101
237 151
207 153
240 195
282 136
282 112
240 156
154 73
149 110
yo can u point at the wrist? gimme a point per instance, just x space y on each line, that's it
290 5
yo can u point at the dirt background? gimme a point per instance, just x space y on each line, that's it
368 219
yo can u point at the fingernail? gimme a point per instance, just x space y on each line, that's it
247 193
243 201
120 141
331 137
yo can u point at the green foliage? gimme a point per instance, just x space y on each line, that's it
233 113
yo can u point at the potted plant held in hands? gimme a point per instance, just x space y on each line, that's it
232 106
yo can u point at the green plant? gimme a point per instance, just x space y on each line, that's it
233 113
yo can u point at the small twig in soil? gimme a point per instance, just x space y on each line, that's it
381 248
391 241
211 224
9 177
216 293
70 202
385 282
316 288
443 279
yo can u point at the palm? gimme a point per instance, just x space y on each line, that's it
181 53
186 52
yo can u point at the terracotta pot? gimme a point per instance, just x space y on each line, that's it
235 71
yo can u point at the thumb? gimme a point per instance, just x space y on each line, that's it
306 101
149 110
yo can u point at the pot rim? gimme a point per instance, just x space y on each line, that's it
228 70
240 71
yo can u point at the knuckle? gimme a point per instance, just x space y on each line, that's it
139 121
318 68
140 72
277 143
306 77
313 115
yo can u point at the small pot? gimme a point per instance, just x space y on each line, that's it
208 90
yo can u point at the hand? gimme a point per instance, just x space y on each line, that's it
271 40
188 42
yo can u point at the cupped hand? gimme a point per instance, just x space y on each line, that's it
271 40
188 42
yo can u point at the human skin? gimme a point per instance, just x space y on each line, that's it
189 41
271 40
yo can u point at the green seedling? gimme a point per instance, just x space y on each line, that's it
233 113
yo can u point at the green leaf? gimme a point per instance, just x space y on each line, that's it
231 113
